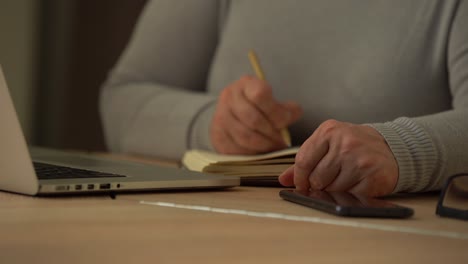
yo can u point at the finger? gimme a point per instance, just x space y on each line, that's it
343 182
322 195
251 116
260 94
361 188
307 158
249 140
348 176
295 110
357 168
368 187
231 148
326 171
284 114
225 144
287 177
346 199
222 140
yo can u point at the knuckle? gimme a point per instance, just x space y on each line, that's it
329 126
349 144
260 92
364 162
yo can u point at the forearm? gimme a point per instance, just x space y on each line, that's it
428 149
151 119
157 90
431 148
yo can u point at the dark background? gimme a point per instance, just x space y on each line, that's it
78 43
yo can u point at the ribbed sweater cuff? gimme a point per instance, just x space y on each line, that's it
199 133
414 152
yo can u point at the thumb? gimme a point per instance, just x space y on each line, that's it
287 177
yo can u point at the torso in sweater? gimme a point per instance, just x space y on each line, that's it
357 61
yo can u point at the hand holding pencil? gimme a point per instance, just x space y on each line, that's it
259 72
249 120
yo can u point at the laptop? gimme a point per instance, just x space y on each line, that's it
42 171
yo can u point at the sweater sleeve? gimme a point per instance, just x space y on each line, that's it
430 148
154 101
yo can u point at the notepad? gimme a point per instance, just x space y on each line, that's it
262 169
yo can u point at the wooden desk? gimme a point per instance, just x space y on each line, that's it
239 225
97 229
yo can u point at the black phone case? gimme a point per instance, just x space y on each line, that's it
390 211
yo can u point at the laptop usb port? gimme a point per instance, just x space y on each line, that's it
90 186
62 188
105 186
78 187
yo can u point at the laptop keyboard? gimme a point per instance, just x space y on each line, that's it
46 171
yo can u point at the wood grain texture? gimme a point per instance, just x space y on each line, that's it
98 229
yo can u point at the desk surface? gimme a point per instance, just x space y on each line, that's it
239 225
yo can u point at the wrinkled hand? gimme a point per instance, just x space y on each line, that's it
248 119
341 156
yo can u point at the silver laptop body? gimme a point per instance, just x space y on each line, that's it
17 173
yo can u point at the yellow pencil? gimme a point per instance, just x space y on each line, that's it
259 72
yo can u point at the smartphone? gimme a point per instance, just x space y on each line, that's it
346 204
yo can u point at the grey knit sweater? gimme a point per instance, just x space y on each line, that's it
398 65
